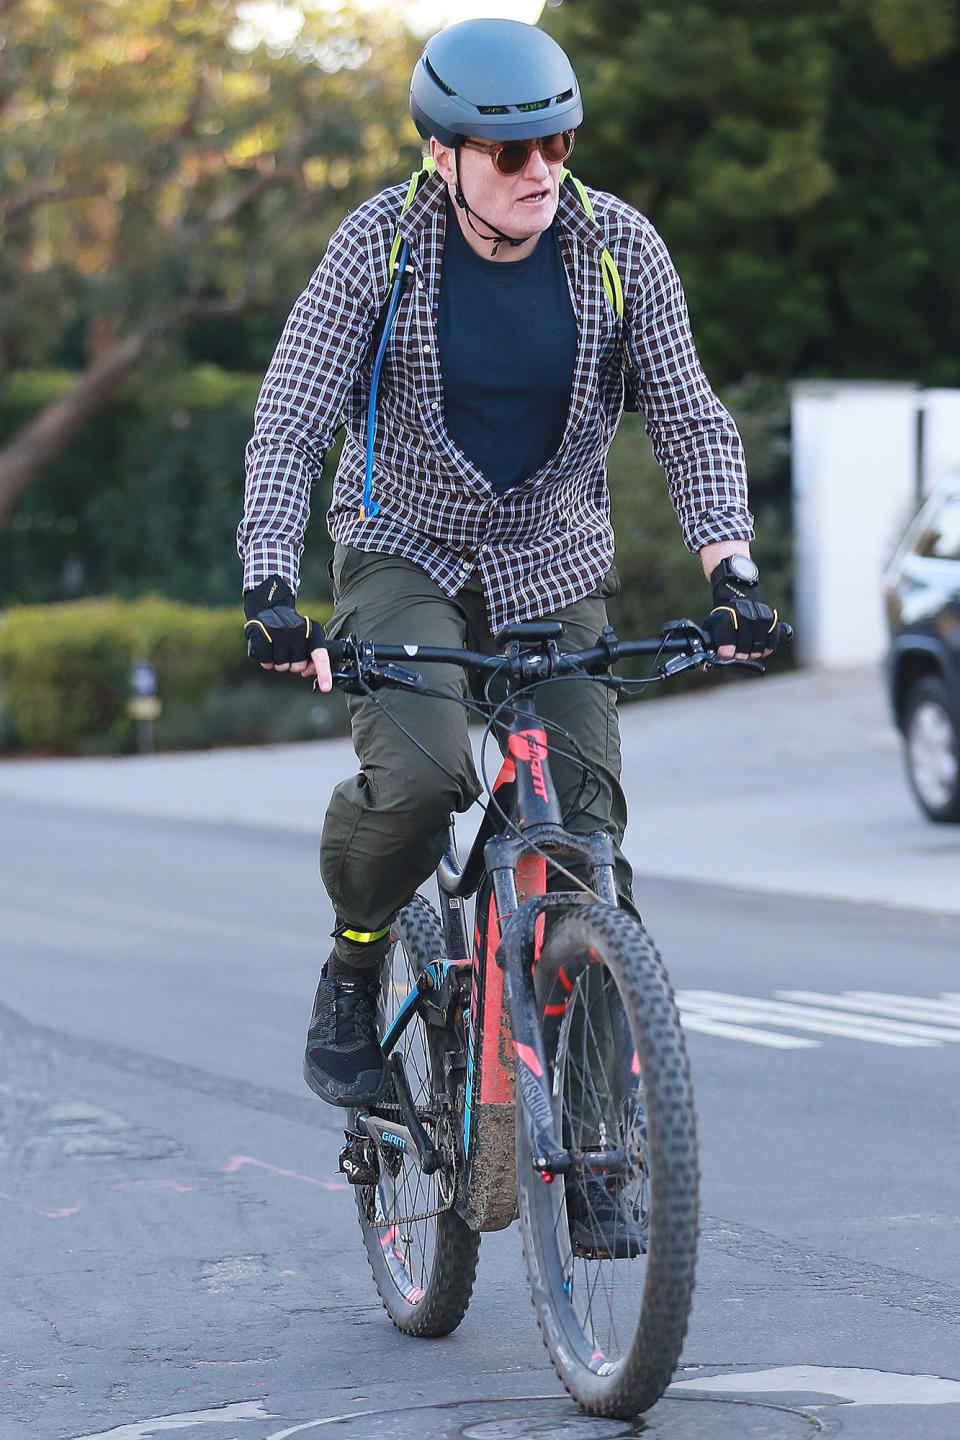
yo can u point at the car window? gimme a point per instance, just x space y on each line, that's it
940 539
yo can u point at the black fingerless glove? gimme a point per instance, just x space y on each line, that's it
276 634
739 617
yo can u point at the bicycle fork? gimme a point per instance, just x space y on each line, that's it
521 934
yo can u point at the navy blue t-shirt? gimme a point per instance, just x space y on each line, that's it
508 342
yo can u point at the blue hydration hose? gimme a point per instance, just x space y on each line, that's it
368 506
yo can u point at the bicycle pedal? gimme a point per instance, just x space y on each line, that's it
357 1162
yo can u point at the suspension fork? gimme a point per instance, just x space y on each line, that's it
517 955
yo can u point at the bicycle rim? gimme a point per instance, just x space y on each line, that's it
611 1250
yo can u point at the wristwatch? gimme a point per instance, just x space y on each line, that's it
736 570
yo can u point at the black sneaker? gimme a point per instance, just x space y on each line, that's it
602 1225
344 1063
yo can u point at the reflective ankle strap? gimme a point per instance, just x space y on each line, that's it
363 937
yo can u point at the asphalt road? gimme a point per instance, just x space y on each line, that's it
178 1253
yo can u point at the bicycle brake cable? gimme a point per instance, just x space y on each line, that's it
510 824
471 705
490 721
585 768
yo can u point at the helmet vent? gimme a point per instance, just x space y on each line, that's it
534 105
494 109
442 83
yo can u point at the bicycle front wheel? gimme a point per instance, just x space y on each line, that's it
422 1254
611 1248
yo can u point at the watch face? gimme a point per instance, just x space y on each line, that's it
744 569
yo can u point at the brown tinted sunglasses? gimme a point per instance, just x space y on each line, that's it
511 156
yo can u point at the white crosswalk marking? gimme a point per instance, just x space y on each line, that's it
726 1031
898 1007
903 1021
947 1007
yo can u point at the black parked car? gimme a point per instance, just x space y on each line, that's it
922 588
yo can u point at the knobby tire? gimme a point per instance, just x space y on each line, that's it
619 1076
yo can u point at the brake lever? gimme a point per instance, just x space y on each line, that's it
707 660
715 663
346 680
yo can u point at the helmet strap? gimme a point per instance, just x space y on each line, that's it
498 237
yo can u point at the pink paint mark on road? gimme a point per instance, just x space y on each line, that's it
48 1214
153 1185
236 1162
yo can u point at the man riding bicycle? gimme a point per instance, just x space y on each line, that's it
534 312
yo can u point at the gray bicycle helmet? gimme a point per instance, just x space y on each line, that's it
496 80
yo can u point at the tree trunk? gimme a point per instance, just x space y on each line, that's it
38 443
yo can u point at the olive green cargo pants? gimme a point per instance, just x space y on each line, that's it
385 828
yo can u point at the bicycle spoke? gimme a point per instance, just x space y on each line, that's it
596 1096
423 1256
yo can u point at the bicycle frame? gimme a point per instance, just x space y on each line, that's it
504 1048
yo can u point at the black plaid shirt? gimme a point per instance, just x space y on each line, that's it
548 541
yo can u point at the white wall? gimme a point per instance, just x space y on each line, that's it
940 451
855 482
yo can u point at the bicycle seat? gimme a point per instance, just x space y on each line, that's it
530 630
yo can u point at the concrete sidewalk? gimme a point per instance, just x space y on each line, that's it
791 784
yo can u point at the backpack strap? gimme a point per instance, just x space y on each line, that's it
612 283
416 180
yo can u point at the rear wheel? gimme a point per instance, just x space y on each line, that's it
422 1254
611 1250
932 732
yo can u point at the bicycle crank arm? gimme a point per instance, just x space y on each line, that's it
387 1135
426 1151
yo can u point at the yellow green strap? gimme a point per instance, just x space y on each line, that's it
365 937
612 284
427 168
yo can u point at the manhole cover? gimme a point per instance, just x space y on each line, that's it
558 1419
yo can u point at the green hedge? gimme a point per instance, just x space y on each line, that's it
64 678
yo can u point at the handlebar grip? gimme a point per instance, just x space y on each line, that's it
784 635
334 648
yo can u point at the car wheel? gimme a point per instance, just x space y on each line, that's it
932 733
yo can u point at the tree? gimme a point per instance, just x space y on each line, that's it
158 167
800 158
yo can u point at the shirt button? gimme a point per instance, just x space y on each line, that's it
426 349
484 549
435 405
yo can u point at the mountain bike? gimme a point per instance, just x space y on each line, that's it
538 1063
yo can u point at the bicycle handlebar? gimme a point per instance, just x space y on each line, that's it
529 656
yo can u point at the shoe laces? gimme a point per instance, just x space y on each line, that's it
351 1019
